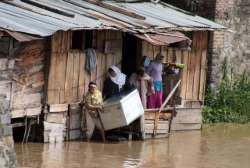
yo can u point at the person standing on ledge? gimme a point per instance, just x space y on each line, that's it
143 83
155 71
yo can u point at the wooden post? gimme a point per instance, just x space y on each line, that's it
157 114
102 129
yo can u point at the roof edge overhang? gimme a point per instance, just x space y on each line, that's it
20 36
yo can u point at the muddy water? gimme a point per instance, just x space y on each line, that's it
218 146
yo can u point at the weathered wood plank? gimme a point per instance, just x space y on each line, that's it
81 82
190 78
190 69
109 60
151 116
61 76
170 55
188 116
75 122
57 67
203 68
75 81
69 41
69 77
33 111
203 75
56 79
59 118
184 75
161 126
100 40
51 83
103 70
17 113
178 56
21 100
197 60
58 108
98 69
54 43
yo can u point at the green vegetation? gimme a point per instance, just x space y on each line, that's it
231 103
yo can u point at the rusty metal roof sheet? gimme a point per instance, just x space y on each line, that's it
164 39
44 17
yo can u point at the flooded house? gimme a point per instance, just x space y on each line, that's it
43 57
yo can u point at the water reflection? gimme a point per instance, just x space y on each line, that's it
220 146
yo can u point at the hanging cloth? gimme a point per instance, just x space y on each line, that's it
90 64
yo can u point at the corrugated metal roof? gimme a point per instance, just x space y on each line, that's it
44 17
164 39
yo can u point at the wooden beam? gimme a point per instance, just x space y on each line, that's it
151 116
22 124
58 107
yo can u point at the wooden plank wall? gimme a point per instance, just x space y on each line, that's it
68 80
194 73
24 71
29 79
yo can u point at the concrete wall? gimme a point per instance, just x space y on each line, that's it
7 154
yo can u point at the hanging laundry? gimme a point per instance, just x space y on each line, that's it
90 64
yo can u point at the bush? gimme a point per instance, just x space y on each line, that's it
231 103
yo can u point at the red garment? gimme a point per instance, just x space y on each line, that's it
155 100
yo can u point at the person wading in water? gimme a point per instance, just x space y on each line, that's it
93 102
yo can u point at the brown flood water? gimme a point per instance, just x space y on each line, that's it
216 146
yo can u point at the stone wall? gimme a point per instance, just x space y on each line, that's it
233 44
7 154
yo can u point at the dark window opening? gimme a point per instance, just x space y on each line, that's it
88 39
77 40
4 46
129 54
189 35
16 43
82 39
35 132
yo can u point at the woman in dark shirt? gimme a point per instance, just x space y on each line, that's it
115 83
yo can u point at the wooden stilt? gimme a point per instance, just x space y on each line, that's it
102 127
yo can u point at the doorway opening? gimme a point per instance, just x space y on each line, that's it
27 130
129 54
